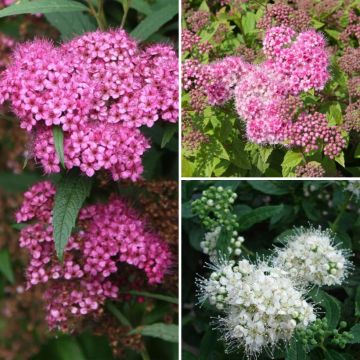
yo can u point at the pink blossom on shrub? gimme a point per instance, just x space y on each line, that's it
100 86
311 131
107 234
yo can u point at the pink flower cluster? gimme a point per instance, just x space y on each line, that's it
100 88
263 93
107 235
312 130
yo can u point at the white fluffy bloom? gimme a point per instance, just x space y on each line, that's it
209 244
225 276
311 258
263 308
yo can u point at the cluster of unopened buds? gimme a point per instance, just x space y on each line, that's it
210 243
214 208
264 93
99 88
107 235
265 302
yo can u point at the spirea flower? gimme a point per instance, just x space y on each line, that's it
213 208
100 88
261 305
311 257
107 235
310 131
311 169
225 276
210 243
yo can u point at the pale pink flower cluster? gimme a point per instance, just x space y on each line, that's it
107 234
100 88
295 63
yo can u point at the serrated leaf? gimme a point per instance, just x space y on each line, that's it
268 187
169 132
355 332
258 215
154 21
295 350
72 24
331 305
166 332
59 143
72 190
5 265
42 7
291 160
331 354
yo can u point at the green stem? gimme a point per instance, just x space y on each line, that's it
335 224
145 355
248 251
126 7
98 15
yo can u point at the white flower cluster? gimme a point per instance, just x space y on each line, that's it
265 308
264 304
209 244
310 257
226 276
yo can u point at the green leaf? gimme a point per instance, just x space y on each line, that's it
268 187
334 115
169 132
17 182
42 6
355 331
68 348
291 160
154 21
186 210
19 226
333 33
295 350
59 143
118 314
72 24
5 265
331 305
72 190
141 6
340 159
258 215
357 152
333 355
166 298
167 332
357 301
248 22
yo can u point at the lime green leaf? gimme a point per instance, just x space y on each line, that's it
169 132
59 143
154 21
42 6
334 115
5 265
166 298
162 331
72 24
187 167
291 160
72 190
330 304
333 33
258 215
248 22
340 159
317 24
